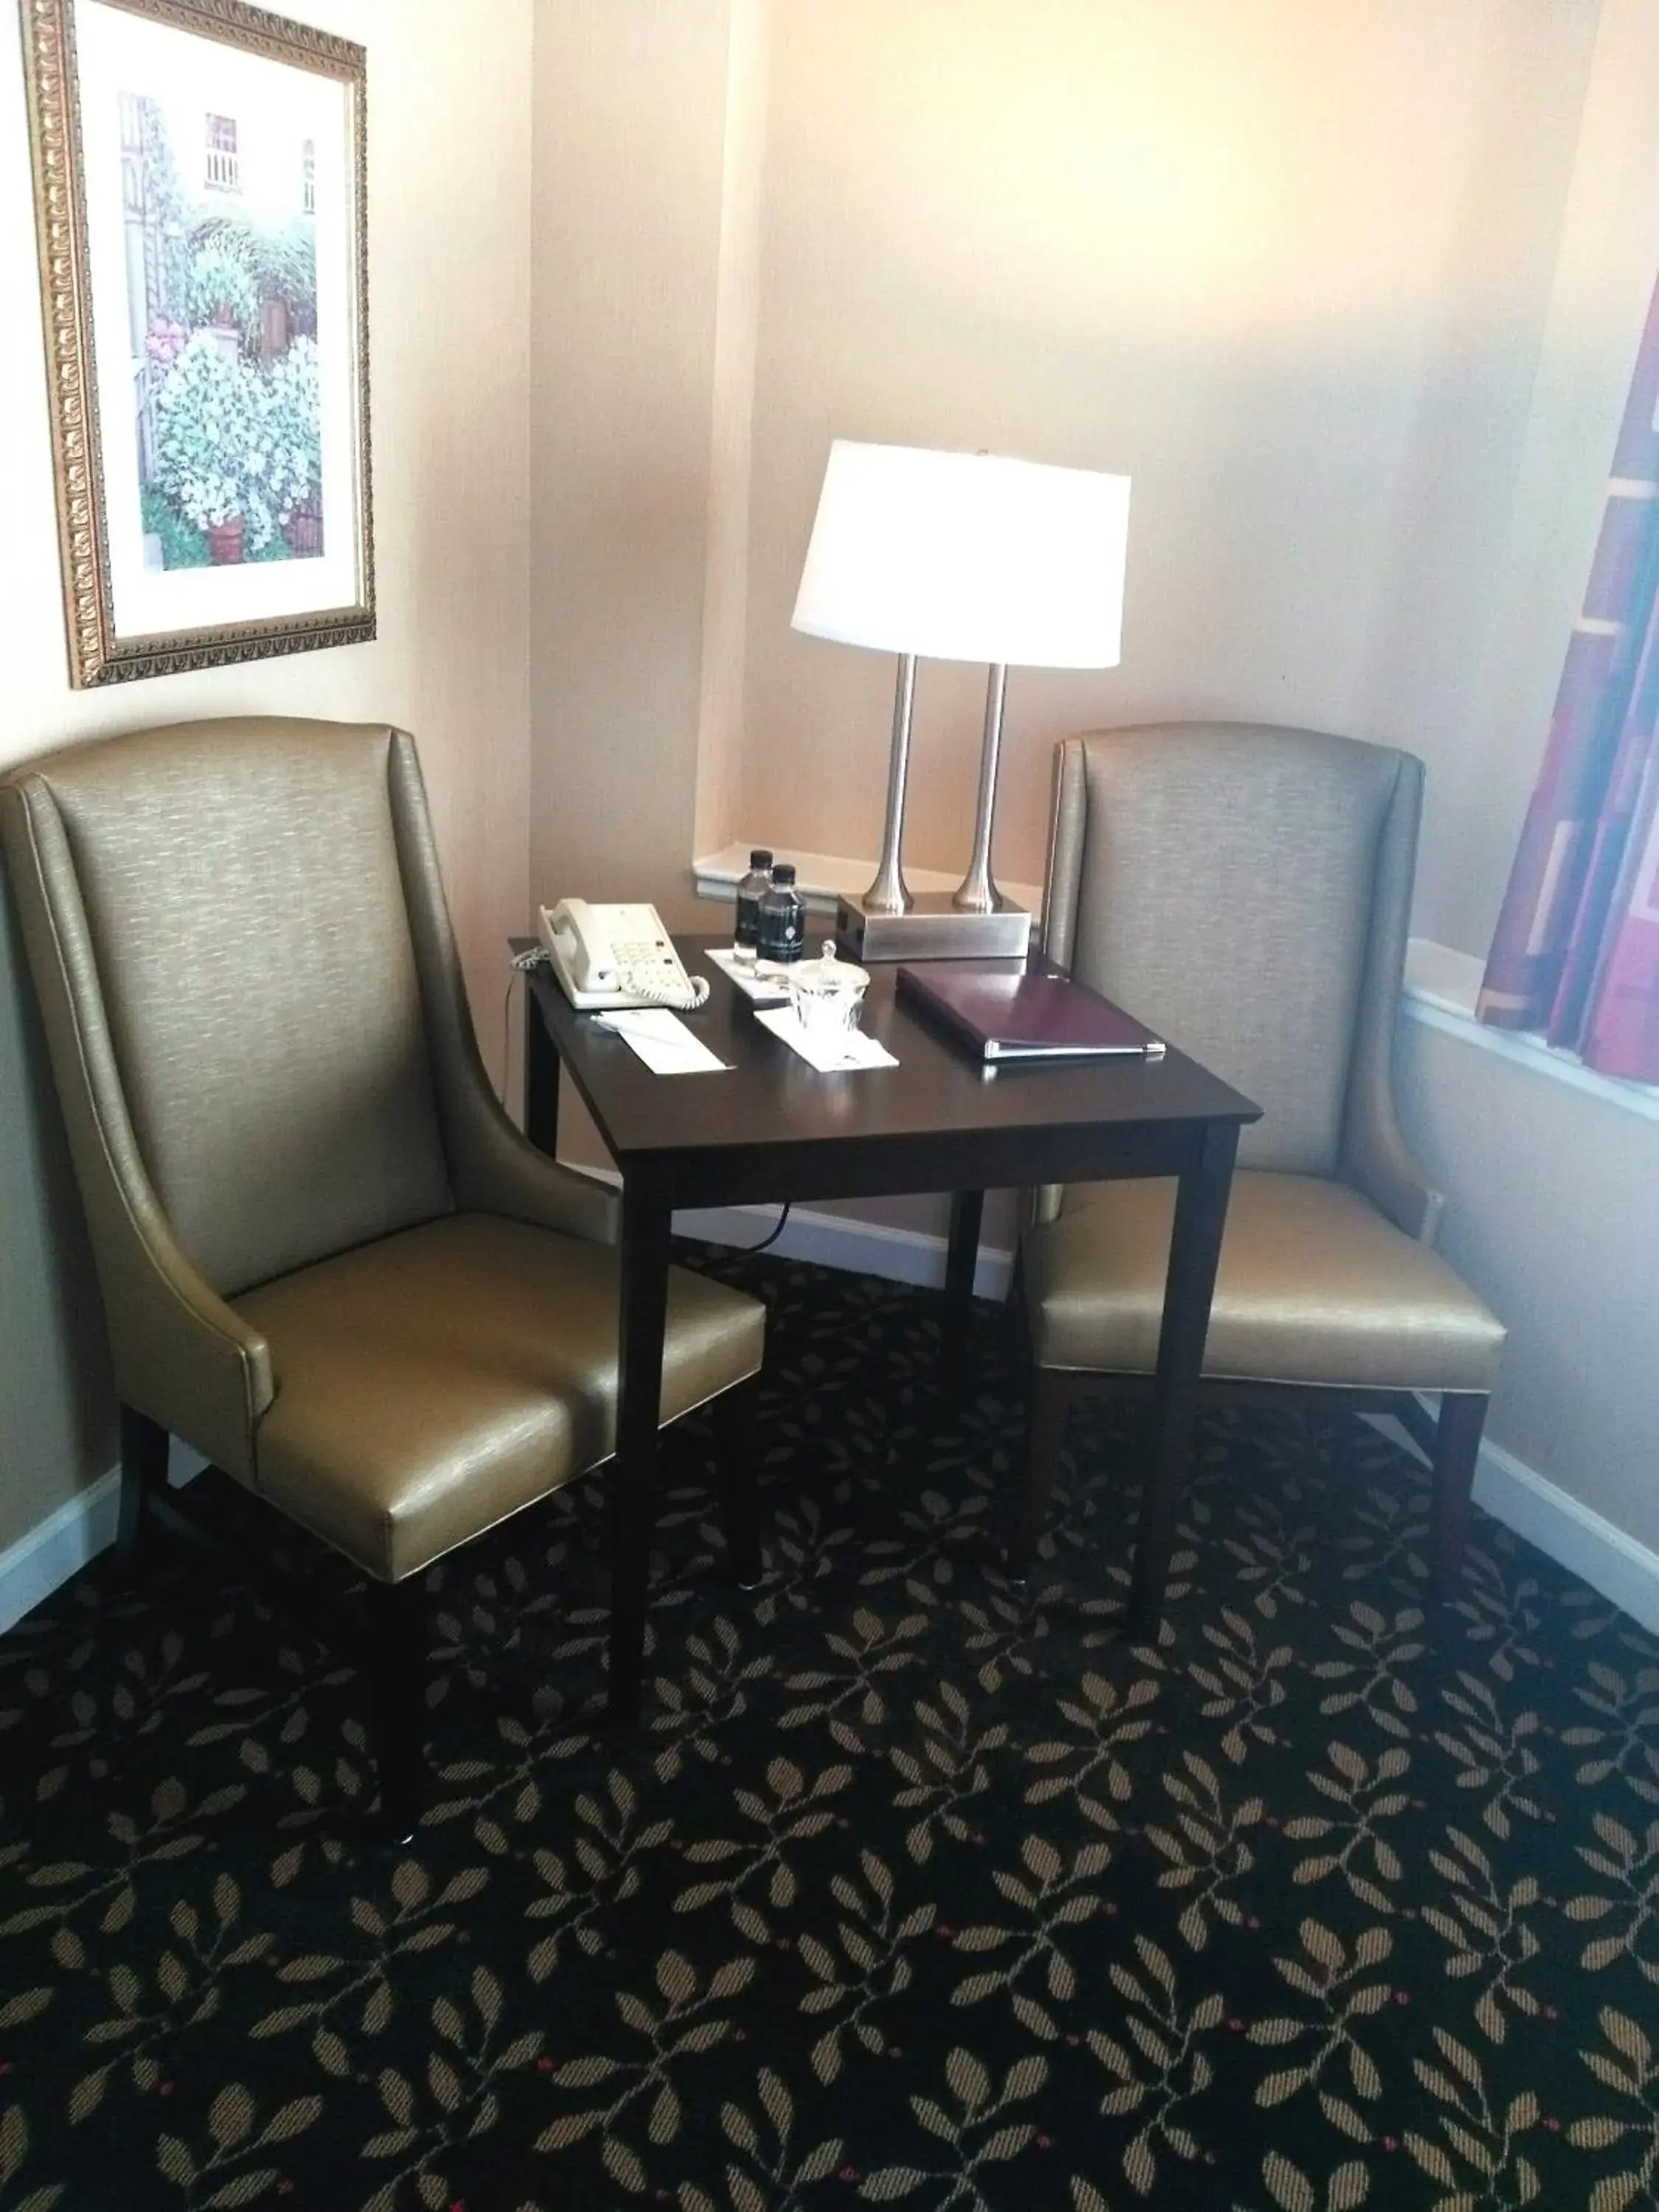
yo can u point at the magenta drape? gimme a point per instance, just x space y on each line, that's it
1576 953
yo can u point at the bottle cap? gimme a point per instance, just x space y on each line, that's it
784 872
759 857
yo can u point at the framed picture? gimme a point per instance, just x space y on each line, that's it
199 196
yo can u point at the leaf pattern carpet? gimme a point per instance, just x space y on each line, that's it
910 1887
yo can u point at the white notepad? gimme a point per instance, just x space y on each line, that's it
662 1040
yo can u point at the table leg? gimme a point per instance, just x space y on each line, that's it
962 1252
1195 1247
633 1478
541 1077
737 1458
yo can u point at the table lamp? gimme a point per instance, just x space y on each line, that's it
959 557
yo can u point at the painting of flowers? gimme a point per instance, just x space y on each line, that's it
213 333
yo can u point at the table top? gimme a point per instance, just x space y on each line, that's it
770 1101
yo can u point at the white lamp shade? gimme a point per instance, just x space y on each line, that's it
967 557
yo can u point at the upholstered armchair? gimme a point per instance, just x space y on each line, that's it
328 1260
1246 889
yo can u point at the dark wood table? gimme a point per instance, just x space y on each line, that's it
772 1129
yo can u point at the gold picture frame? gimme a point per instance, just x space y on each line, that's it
200 190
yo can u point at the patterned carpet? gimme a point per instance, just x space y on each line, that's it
910 1889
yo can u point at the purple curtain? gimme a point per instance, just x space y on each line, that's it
1576 949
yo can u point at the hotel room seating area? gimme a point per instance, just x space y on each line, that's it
765 1617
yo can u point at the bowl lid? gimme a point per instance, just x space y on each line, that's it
828 973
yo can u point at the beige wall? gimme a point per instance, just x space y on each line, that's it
629 125
1353 293
1292 268
1553 1215
449 138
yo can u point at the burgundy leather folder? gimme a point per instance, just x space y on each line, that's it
1004 1012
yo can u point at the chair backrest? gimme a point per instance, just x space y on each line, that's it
1243 888
234 906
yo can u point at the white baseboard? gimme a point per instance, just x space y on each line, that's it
58 1547
1571 1534
71 1535
1574 1534
833 1240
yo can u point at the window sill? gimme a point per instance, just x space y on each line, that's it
1441 986
1440 989
822 878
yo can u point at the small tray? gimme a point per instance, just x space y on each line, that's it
762 982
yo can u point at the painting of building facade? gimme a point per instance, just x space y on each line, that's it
200 203
222 282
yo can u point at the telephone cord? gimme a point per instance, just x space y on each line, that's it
522 963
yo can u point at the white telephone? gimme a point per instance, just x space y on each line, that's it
617 956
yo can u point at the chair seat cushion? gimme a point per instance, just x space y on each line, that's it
431 1383
1314 1286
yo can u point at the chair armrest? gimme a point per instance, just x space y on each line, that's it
498 1170
1378 1165
181 1354
493 1167
1376 1158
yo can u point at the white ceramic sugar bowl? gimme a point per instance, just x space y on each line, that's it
827 995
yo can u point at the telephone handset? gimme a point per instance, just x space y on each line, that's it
617 956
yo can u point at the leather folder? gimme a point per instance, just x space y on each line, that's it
1005 1012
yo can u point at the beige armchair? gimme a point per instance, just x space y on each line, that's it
1246 889
328 1260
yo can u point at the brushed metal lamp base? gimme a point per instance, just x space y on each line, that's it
933 927
890 921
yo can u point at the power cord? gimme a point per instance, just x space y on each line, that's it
728 1253
744 1251
519 963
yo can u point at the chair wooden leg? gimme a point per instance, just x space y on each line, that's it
1456 1445
1417 1422
144 1471
737 1468
631 1486
1055 1393
632 1521
394 1661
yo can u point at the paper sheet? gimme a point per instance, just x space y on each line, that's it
831 1056
662 1040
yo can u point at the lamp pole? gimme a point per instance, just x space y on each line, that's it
888 893
976 893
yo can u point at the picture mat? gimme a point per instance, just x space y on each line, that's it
119 52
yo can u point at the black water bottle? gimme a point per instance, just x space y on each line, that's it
746 938
782 916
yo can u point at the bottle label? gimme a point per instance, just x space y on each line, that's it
782 928
748 928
